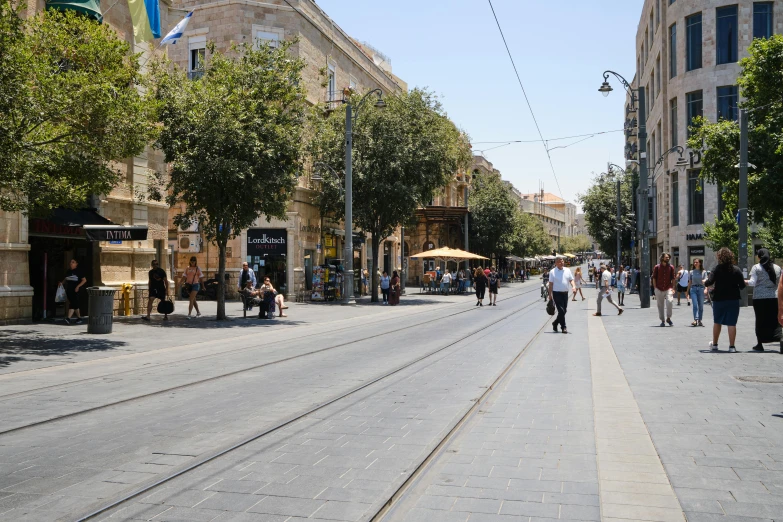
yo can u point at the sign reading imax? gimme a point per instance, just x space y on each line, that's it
262 241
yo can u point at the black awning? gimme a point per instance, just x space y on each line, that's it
77 218
74 223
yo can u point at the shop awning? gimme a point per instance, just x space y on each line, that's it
65 221
447 253
91 8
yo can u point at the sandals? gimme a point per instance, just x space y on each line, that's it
695 323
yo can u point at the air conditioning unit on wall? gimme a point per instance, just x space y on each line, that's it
189 243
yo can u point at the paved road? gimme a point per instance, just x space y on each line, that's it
441 411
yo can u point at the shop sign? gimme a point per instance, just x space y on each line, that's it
318 248
694 237
696 251
115 233
270 241
46 227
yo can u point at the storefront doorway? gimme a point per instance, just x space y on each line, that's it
49 259
266 255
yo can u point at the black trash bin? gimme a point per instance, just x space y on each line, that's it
100 309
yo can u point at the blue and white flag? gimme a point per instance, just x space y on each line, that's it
176 33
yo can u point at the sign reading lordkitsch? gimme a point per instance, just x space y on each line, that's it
271 241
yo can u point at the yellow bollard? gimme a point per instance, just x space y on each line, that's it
126 288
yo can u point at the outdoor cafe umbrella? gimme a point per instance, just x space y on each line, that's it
448 253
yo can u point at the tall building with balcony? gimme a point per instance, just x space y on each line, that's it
687 54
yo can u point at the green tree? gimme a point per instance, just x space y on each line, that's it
762 90
402 155
600 206
70 103
578 243
530 238
233 139
771 236
493 226
724 232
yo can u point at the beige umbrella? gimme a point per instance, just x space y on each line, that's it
448 253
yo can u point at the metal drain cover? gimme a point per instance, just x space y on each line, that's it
763 379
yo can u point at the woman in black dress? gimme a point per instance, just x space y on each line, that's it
480 281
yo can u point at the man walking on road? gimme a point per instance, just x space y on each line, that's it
606 293
663 282
561 283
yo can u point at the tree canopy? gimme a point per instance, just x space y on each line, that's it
494 225
233 139
70 104
600 207
761 87
402 155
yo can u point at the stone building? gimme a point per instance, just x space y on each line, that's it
334 61
34 253
687 54
557 215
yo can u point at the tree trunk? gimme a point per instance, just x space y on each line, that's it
376 242
221 289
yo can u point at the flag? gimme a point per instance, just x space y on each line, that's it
146 19
176 33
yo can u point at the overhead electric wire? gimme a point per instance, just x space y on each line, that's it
519 79
549 139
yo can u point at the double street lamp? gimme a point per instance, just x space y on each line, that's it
637 95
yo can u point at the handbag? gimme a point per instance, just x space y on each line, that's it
185 290
550 307
59 297
166 307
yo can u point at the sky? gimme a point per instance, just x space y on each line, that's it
561 48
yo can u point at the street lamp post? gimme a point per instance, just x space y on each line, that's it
350 120
641 224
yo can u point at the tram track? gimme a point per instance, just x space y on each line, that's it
201 461
70 415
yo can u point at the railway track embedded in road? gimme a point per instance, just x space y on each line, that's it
115 503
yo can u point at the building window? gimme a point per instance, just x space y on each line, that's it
762 19
658 14
675 199
673 122
673 51
695 198
695 103
660 139
651 148
331 84
693 42
728 97
265 38
658 76
727 38
197 57
652 29
652 87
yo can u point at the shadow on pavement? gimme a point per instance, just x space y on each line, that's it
209 322
17 345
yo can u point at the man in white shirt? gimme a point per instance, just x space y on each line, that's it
606 293
561 283
683 279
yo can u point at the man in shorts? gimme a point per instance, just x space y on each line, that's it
159 288
683 279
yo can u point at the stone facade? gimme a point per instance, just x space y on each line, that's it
334 61
111 265
677 234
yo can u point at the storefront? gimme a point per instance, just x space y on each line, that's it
695 252
267 253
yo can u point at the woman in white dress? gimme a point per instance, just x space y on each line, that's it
578 280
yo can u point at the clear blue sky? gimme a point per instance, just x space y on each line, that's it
560 48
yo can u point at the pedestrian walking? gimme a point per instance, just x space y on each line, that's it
158 288
561 282
632 286
591 272
494 283
578 282
245 275
606 293
460 281
663 278
728 281
73 281
598 276
683 281
622 280
480 282
385 285
193 279
765 278
445 282
365 282
394 289
696 290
